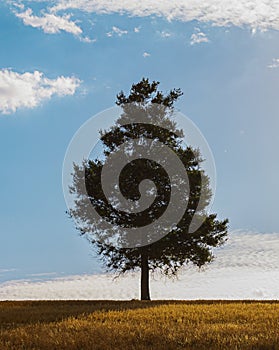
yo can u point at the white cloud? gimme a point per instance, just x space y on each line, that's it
86 39
49 22
198 37
274 64
7 270
257 14
43 274
30 89
146 54
18 5
246 267
117 31
165 34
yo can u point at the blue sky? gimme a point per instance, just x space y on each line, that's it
224 61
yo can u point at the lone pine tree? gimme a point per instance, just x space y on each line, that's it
178 247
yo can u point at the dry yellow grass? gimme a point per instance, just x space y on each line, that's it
139 325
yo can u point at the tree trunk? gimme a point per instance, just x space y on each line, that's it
144 277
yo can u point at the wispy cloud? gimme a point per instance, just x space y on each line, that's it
165 34
198 37
117 32
274 64
255 14
49 22
28 90
86 39
43 274
7 270
246 268
18 5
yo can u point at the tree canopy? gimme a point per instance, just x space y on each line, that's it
180 245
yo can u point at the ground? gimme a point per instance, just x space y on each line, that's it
139 325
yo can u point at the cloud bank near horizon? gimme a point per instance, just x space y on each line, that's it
246 268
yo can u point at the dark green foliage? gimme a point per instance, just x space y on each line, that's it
177 248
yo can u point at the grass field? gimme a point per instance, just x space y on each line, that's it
139 325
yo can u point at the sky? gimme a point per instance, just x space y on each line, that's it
62 62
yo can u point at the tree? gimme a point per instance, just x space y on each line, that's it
178 247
